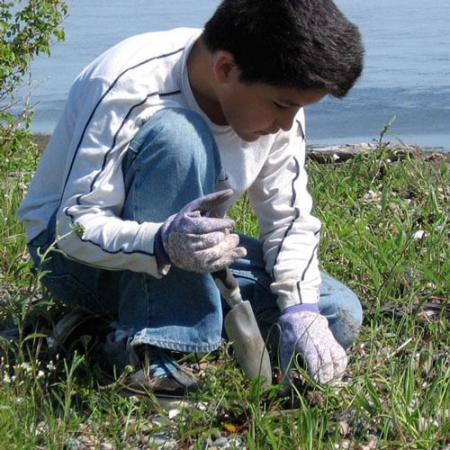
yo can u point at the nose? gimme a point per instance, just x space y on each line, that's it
286 118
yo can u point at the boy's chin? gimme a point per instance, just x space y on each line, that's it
248 137
251 139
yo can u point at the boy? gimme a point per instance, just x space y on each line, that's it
159 136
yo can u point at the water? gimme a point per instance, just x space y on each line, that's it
407 71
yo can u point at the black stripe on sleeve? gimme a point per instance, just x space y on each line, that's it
302 131
297 213
105 158
99 103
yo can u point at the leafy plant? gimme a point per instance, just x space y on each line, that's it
26 30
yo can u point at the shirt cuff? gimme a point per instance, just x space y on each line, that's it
162 258
301 307
285 299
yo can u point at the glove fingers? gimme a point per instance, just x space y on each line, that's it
239 252
232 255
340 362
182 253
324 358
191 224
208 202
198 242
227 259
324 371
221 250
332 361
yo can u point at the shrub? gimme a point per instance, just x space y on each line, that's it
26 30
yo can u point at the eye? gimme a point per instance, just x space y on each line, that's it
280 105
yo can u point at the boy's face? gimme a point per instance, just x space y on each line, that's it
257 109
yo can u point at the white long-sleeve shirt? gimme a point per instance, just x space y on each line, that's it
80 174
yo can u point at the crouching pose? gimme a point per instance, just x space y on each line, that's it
160 135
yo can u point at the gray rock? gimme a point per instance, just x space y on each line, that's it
230 442
163 440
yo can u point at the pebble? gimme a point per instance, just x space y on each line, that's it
106 446
372 196
163 440
230 442
71 444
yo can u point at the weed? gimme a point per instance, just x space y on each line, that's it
387 237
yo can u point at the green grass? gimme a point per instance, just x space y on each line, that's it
396 393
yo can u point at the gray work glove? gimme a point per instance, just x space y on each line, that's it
305 332
192 241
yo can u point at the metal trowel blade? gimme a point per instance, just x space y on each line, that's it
249 347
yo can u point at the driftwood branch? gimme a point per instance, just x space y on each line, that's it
341 153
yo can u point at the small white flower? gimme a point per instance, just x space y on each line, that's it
418 235
26 367
202 406
174 413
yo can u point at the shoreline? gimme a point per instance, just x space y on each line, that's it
323 153
341 153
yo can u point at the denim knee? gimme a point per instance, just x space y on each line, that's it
172 160
341 306
350 317
185 139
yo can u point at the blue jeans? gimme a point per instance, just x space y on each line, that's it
172 160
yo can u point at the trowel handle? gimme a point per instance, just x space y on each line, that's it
227 278
228 286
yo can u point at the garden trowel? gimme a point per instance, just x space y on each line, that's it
242 329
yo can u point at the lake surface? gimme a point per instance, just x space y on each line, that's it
407 70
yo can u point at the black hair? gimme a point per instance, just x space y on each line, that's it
304 44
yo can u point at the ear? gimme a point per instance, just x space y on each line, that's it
224 66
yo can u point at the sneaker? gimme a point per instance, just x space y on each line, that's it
155 371
69 330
